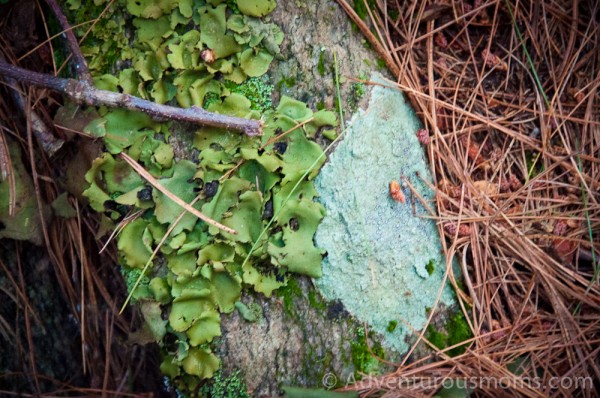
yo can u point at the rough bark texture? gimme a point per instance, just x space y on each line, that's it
314 31
297 342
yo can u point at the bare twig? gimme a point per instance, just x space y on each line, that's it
84 93
80 65
41 130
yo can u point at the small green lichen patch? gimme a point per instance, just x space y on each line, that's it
321 63
288 294
430 267
392 325
357 92
457 331
366 355
232 386
362 9
131 275
251 312
257 90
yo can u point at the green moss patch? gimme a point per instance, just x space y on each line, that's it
457 331
232 386
366 355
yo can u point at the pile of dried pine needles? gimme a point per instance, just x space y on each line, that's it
508 92
60 327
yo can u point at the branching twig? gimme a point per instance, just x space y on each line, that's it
84 93
50 144
80 64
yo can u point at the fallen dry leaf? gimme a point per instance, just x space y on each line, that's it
423 136
396 192
493 61
452 229
441 41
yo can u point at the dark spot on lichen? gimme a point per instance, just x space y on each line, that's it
268 212
211 188
110 205
145 194
170 342
294 224
195 155
280 147
265 268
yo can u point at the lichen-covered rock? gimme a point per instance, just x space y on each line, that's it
296 340
300 338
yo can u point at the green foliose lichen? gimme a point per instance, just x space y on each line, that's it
194 271
106 42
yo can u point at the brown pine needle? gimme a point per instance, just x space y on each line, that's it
145 175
